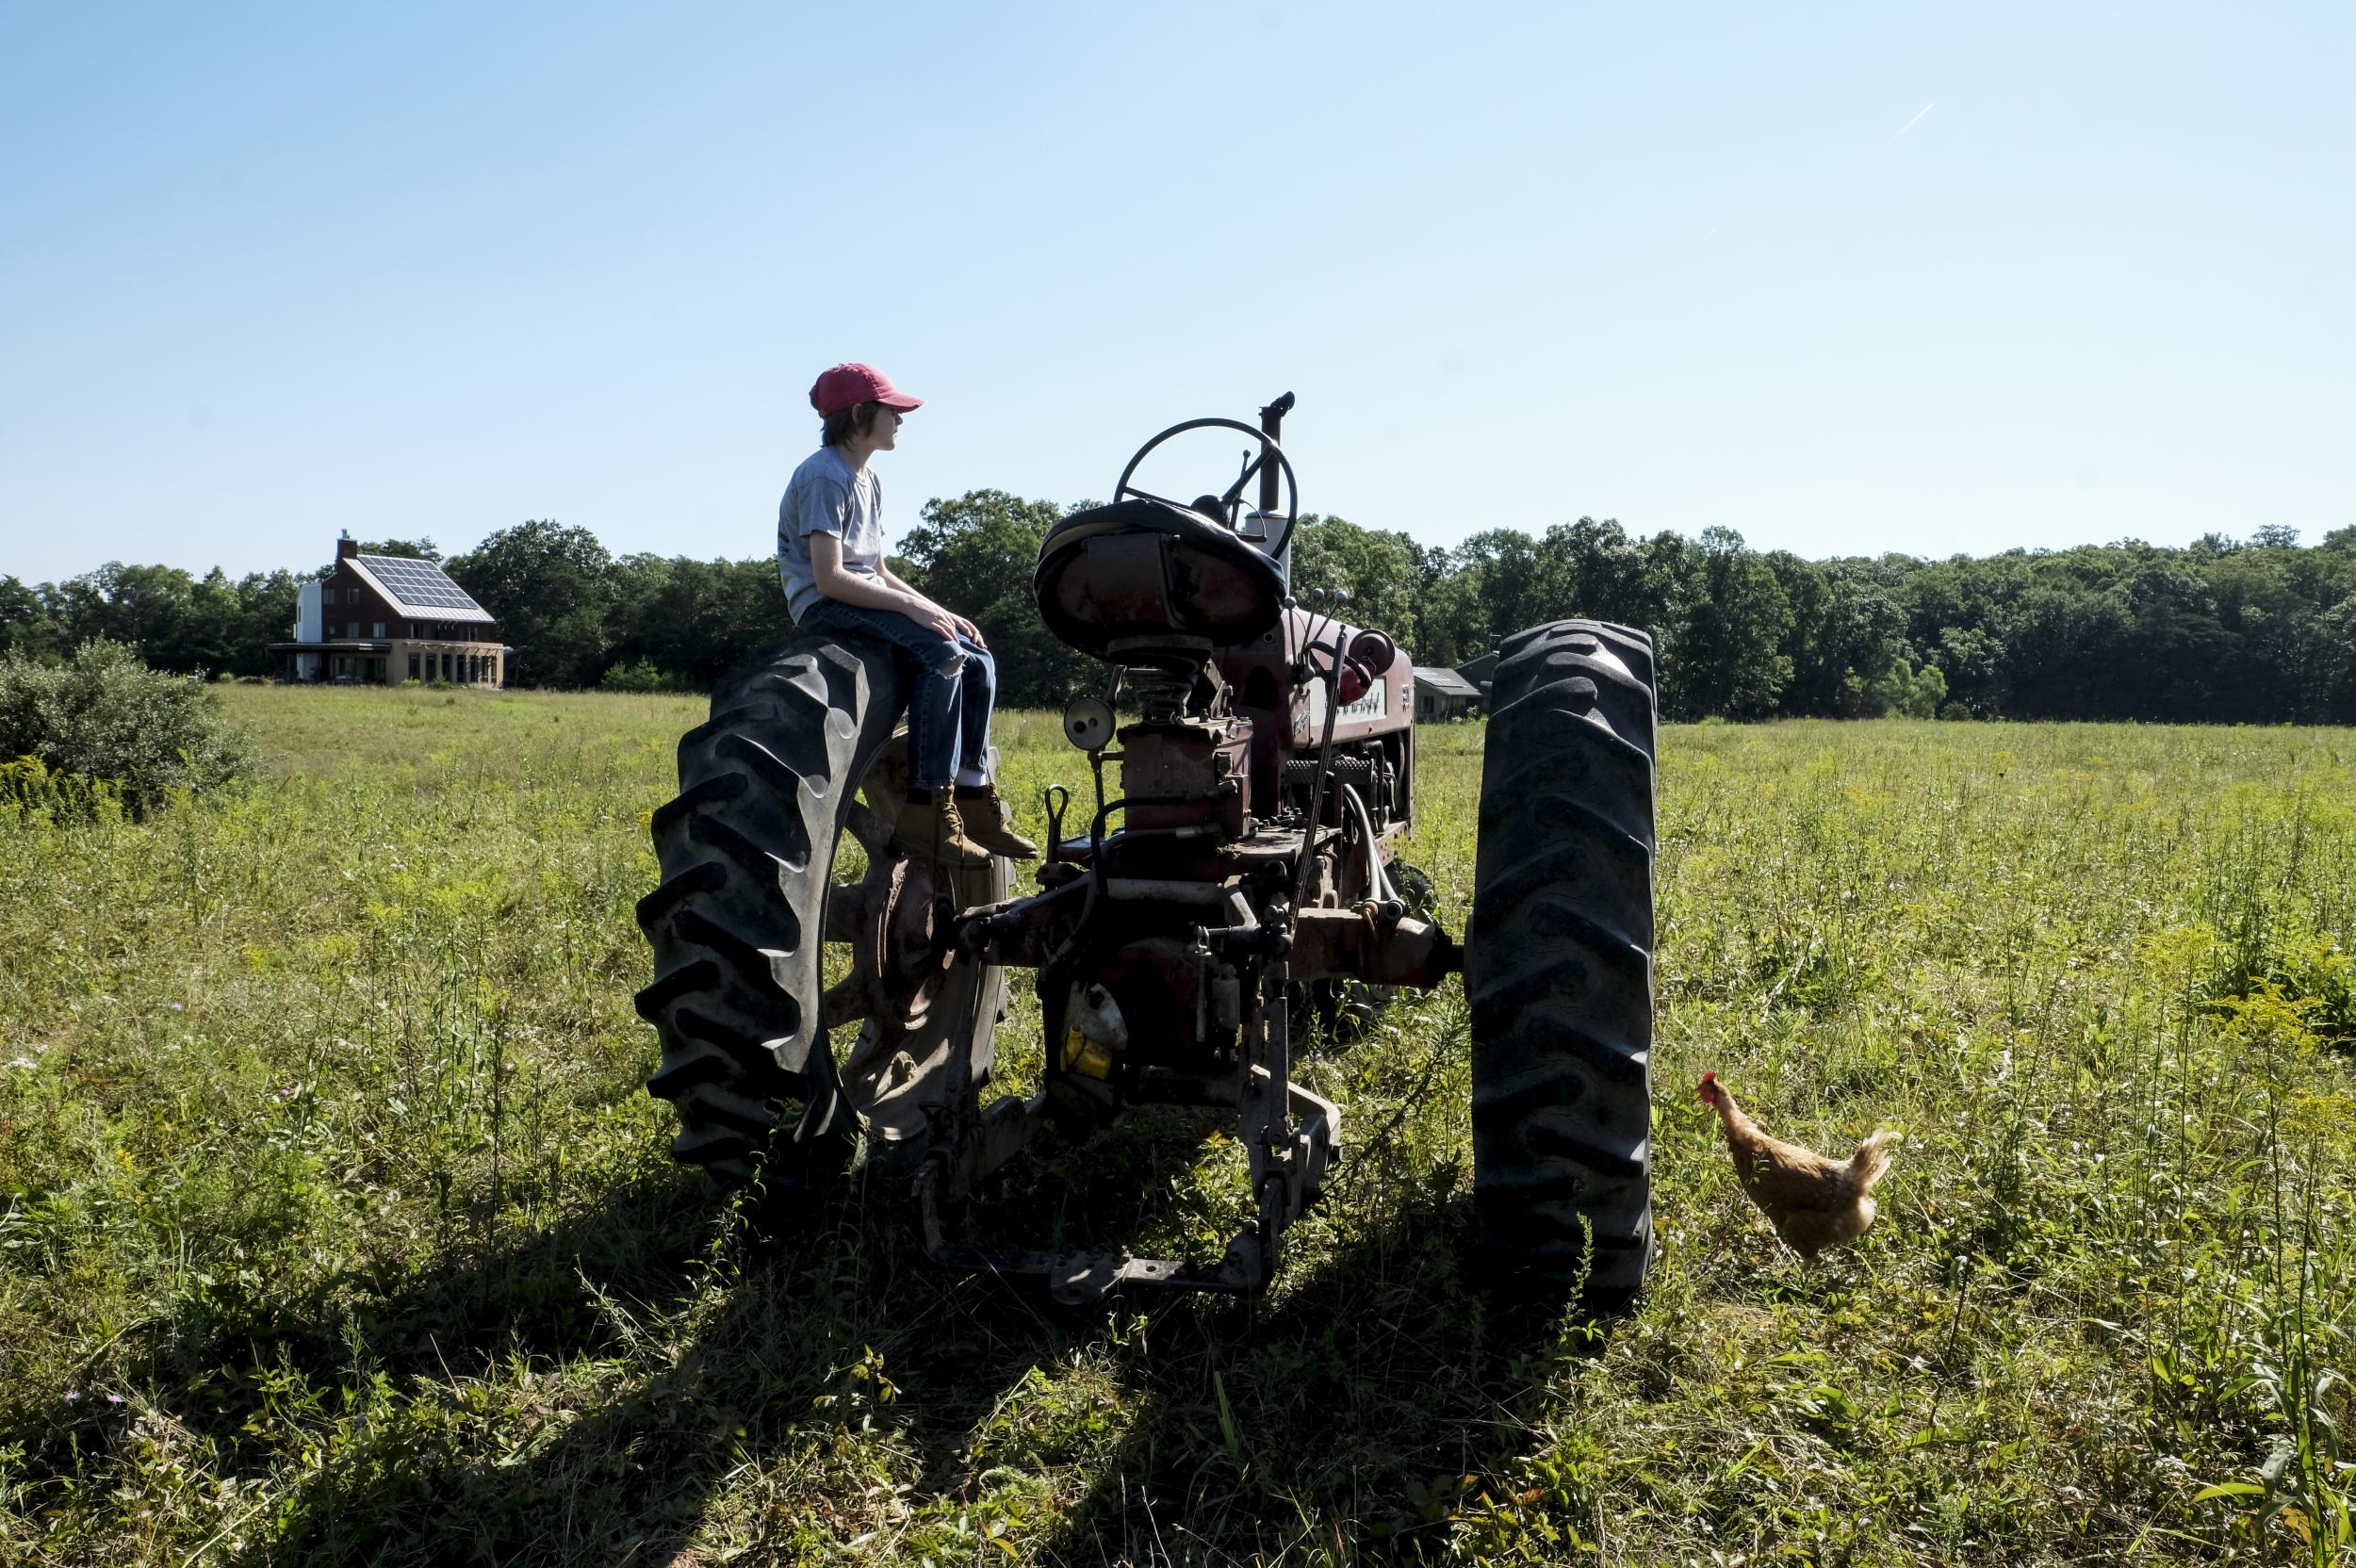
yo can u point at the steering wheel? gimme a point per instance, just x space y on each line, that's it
1268 449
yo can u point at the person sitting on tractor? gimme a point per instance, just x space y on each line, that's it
830 557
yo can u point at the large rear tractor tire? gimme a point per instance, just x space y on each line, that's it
767 811
1558 962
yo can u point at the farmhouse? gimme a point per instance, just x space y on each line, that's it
385 619
1444 694
1479 672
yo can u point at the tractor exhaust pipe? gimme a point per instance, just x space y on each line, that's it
1272 425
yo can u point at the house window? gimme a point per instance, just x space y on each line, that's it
413 666
351 631
379 632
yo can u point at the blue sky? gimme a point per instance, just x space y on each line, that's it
270 272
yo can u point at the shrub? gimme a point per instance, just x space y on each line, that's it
106 716
640 677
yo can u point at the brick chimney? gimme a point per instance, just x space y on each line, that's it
347 545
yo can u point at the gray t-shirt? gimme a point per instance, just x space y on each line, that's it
824 496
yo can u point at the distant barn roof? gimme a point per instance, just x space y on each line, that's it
418 588
1446 681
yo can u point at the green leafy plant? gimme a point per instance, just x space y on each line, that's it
106 717
640 675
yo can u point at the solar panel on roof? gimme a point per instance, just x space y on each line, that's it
418 583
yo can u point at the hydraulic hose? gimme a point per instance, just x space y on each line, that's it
1377 877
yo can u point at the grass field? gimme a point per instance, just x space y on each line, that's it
335 1225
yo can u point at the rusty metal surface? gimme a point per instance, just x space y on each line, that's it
1356 944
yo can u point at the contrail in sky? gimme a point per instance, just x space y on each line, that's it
1912 123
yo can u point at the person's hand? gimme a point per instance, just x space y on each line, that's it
969 632
935 620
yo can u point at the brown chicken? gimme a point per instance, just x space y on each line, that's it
1812 1203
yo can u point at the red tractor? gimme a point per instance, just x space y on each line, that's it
1266 766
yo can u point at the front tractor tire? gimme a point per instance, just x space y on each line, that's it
1558 962
768 807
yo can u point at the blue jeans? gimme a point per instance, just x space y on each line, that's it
955 687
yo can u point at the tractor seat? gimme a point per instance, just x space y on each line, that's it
1140 570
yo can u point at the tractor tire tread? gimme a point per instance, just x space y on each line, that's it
743 1058
737 921
1559 962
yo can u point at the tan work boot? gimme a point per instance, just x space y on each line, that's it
990 821
931 830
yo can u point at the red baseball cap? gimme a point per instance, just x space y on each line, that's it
850 385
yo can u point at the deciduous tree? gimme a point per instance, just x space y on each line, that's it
549 586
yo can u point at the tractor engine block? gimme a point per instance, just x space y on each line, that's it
1187 771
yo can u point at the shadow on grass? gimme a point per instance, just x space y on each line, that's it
678 1352
239 1362
1338 1414
600 1390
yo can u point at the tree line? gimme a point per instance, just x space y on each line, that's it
2258 631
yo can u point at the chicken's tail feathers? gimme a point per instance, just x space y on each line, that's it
1873 1158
